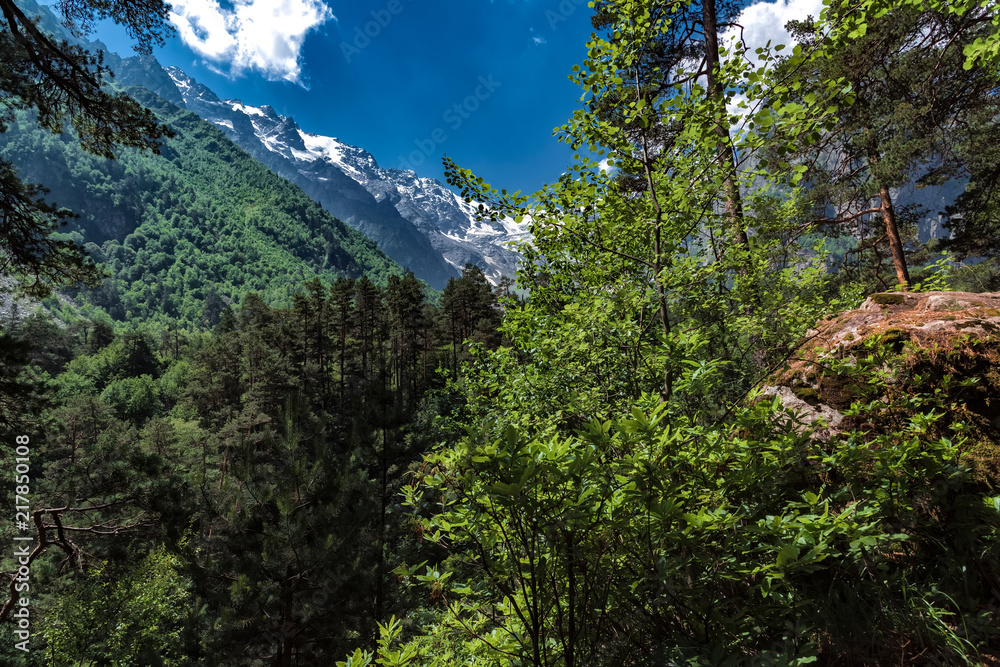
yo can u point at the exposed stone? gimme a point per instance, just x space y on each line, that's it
919 344
919 316
808 414
946 302
888 299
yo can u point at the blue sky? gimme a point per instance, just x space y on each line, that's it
387 75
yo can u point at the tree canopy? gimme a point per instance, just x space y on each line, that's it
914 112
60 82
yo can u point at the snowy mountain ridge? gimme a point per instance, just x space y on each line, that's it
335 173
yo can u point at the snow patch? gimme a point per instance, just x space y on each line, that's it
244 109
304 156
323 147
181 84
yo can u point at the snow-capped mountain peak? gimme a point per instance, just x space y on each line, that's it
189 88
408 215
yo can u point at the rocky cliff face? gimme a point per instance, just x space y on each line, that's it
931 202
900 354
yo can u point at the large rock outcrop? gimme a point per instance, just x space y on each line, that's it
934 352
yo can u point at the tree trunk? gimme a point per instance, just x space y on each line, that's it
891 226
892 230
727 157
647 161
287 624
384 501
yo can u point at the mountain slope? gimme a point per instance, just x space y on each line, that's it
419 222
185 232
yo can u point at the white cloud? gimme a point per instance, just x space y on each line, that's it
263 35
761 23
537 39
765 21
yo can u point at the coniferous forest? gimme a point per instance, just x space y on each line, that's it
238 434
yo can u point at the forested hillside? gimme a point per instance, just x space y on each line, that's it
186 232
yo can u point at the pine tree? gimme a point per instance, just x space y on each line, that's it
342 304
288 566
469 312
313 314
405 300
370 323
911 106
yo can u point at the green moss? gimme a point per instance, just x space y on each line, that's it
888 298
893 339
948 318
983 456
807 394
988 312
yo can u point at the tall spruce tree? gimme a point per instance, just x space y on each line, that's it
287 560
469 312
342 303
405 300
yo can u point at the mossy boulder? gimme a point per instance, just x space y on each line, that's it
940 350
